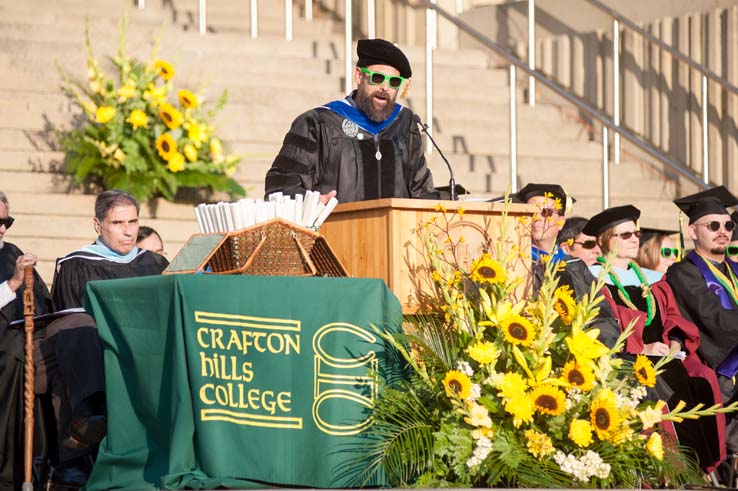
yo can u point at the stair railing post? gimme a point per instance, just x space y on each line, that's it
531 51
605 170
254 19
705 149
288 20
347 48
141 4
309 10
513 132
459 7
430 45
616 88
371 19
203 8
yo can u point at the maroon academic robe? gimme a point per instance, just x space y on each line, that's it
674 325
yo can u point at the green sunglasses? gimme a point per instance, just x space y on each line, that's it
378 78
669 252
731 251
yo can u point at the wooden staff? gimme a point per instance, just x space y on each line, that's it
29 393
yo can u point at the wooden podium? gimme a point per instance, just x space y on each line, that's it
384 239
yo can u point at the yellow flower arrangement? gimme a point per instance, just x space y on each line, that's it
508 391
135 114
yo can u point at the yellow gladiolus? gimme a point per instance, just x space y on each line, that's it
126 92
176 163
104 114
190 152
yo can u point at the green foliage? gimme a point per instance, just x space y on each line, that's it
119 142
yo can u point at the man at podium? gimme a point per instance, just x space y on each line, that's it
363 147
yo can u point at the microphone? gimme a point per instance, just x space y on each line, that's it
452 181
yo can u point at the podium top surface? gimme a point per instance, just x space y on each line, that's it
430 205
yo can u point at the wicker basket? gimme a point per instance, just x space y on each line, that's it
276 247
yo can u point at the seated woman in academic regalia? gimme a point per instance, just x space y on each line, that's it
641 294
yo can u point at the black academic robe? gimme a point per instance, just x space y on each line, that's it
74 270
718 326
12 356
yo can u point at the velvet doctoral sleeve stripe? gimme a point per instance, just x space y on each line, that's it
717 326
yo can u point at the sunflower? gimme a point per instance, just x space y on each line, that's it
138 119
579 376
604 415
521 408
166 146
484 353
564 304
655 446
487 270
104 114
171 117
176 163
164 69
580 432
549 400
187 98
457 384
644 371
539 444
518 330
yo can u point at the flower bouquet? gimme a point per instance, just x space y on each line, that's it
519 392
136 136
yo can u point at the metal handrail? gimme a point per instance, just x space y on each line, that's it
653 39
565 94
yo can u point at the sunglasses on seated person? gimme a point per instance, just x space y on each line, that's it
628 235
669 252
587 244
731 251
715 225
378 78
7 221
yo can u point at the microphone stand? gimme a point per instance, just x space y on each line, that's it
452 181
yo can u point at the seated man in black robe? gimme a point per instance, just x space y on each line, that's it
76 345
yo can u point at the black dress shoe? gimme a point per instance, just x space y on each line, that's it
86 432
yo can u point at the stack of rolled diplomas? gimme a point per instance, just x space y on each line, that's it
306 211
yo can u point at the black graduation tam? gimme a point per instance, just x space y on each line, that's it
381 52
649 233
532 190
734 217
610 218
709 202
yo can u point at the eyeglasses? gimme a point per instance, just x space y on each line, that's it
715 225
731 251
628 235
7 221
669 252
548 212
587 244
378 78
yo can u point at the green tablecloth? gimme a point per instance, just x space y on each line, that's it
238 381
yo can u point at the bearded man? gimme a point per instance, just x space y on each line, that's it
363 147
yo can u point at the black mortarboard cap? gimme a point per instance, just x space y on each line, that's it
610 218
532 190
649 233
709 202
734 217
381 52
